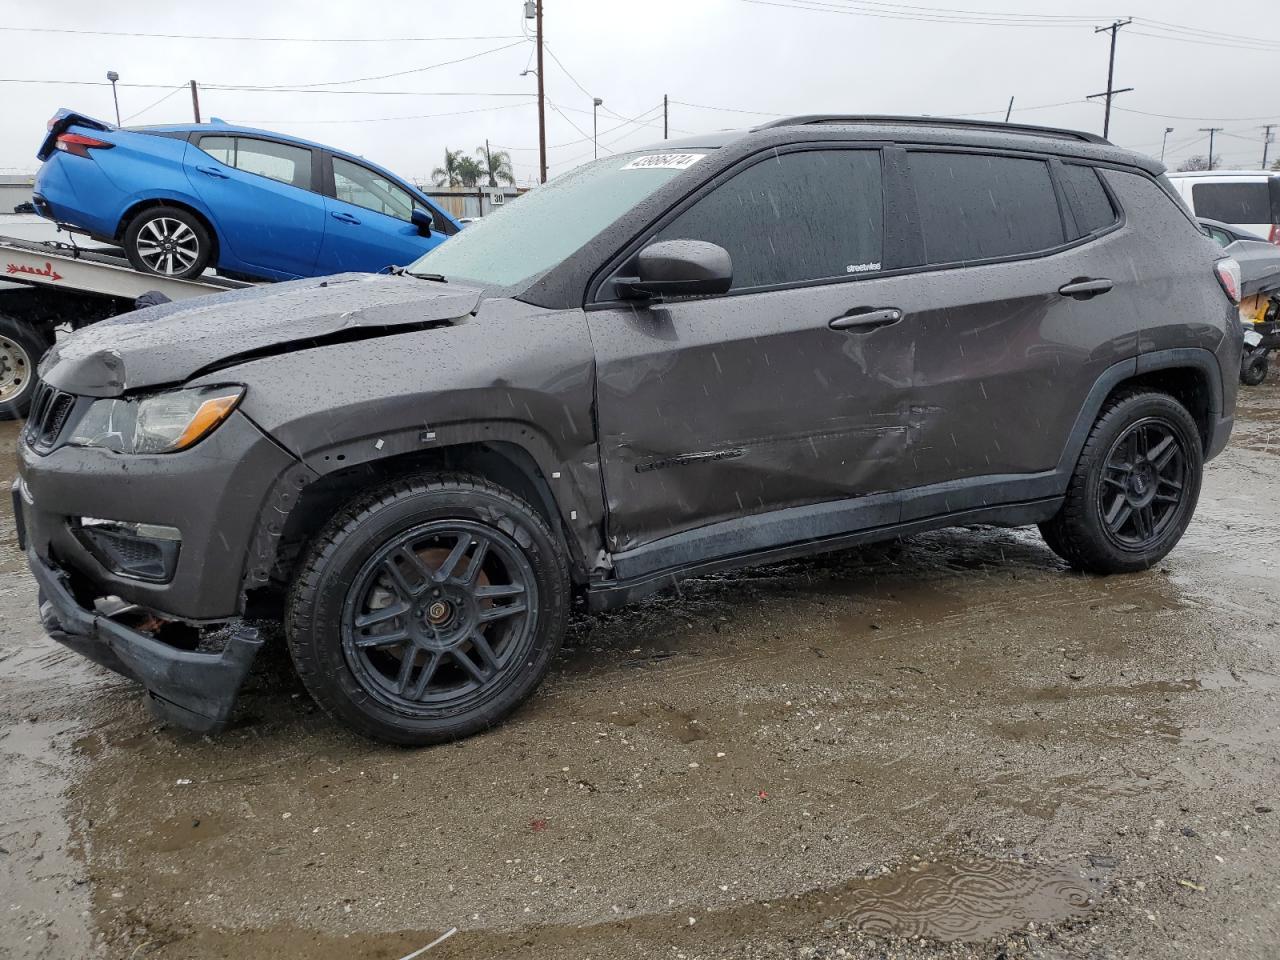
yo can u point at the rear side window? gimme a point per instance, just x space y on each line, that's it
977 207
794 217
1233 202
364 188
1089 201
275 161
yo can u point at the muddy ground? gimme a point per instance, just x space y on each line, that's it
949 746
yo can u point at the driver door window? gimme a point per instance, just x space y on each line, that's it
793 218
362 187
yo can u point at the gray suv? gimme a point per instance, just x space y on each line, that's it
733 349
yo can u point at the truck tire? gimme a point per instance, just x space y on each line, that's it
168 242
1255 368
1134 488
21 347
428 609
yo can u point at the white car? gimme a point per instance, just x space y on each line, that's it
1249 199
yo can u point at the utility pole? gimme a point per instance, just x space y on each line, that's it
664 116
1165 142
195 101
1008 113
1210 131
1111 91
542 114
1266 142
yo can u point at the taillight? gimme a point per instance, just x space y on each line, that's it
1228 272
79 146
1274 236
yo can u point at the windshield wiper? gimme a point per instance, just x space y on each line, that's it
437 277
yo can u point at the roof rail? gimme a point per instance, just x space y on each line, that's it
993 125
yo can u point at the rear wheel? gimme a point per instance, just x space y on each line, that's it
21 348
169 242
1255 368
428 610
1134 489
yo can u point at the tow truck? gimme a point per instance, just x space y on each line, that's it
52 287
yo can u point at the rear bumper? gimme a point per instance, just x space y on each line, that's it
192 690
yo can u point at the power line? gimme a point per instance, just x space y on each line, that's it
248 88
1157 29
818 6
418 116
1170 116
398 73
156 103
244 39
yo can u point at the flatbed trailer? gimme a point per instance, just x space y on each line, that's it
53 287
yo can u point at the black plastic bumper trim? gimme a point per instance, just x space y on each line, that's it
196 691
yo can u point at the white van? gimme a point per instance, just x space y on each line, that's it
1249 199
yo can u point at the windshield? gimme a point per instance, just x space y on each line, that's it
520 242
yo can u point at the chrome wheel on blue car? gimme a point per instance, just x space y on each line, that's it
169 242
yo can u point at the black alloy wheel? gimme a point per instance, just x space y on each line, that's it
1143 480
437 614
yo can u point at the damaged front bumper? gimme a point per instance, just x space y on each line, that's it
190 689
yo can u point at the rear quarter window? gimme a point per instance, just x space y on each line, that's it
981 207
1088 199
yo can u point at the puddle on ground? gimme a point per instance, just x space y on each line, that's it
962 900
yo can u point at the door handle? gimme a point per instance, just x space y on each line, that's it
344 217
213 172
1085 288
861 318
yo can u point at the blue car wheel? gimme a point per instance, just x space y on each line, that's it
168 241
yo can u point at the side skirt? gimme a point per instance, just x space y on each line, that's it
608 596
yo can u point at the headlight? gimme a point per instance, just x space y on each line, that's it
160 423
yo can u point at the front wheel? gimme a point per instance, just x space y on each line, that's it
429 609
169 242
1134 488
21 348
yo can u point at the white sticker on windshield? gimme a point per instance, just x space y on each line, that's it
665 161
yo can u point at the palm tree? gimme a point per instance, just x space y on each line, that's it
449 175
496 166
469 171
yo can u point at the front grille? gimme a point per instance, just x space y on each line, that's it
50 410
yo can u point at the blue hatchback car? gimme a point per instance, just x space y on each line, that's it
184 197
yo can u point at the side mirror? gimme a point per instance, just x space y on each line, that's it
680 268
422 220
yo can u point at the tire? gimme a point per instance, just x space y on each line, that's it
1122 511
168 242
1255 368
382 600
21 347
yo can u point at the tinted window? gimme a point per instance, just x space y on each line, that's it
976 207
1233 202
1089 201
794 217
276 161
361 186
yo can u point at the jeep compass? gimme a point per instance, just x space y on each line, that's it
736 348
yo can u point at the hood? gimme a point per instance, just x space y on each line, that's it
171 343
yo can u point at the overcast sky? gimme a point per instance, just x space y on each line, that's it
744 55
